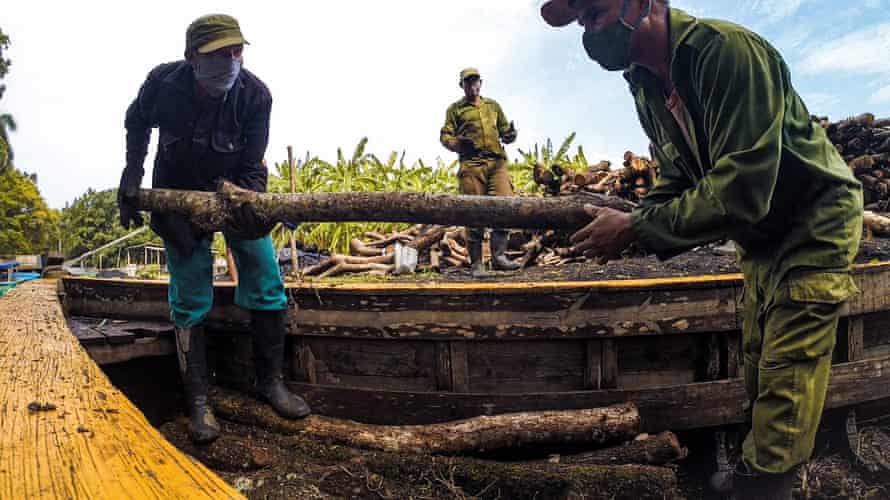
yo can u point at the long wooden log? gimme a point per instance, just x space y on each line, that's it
463 437
660 449
212 211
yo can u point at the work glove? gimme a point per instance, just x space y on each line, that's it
127 196
509 137
246 224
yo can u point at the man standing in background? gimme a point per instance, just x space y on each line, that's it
474 128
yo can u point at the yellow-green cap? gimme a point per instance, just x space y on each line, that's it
468 72
213 32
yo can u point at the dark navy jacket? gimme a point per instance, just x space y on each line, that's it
201 140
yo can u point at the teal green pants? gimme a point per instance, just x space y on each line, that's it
190 293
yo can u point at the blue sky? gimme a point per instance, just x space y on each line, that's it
387 70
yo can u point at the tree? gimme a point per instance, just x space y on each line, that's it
27 225
91 221
7 124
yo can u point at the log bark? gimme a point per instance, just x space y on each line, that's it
211 211
645 450
476 435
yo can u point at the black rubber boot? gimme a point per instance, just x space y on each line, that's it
750 485
268 359
499 258
477 267
191 350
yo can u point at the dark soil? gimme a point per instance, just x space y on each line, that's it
267 465
707 260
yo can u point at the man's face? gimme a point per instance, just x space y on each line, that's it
472 86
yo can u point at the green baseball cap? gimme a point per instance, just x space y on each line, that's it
213 32
468 72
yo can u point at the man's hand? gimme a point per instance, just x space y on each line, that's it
127 195
129 215
610 233
509 136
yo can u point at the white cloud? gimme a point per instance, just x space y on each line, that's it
862 52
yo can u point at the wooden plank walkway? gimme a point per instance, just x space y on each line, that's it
65 430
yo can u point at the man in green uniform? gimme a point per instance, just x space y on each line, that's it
474 128
739 160
213 121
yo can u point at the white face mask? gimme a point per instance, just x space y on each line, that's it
217 74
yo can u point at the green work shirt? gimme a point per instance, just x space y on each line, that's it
755 168
483 124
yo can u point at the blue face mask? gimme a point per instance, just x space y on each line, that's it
217 74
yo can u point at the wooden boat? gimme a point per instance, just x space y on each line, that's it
406 353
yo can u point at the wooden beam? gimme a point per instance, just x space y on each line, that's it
593 374
609 378
443 367
140 348
460 370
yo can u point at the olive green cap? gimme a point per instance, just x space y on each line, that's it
468 72
213 32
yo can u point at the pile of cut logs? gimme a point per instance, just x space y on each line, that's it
441 247
864 142
631 182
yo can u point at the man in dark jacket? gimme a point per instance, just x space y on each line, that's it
739 159
213 121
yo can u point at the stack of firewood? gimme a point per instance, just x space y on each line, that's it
864 142
633 181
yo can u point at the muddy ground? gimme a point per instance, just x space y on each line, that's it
266 465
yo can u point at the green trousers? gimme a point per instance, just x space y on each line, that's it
484 176
190 294
789 331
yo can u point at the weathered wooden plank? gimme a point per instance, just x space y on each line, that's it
734 359
460 368
593 373
610 364
443 367
140 348
696 405
526 366
95 443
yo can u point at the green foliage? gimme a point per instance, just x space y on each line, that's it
27 225
359 172
91 221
